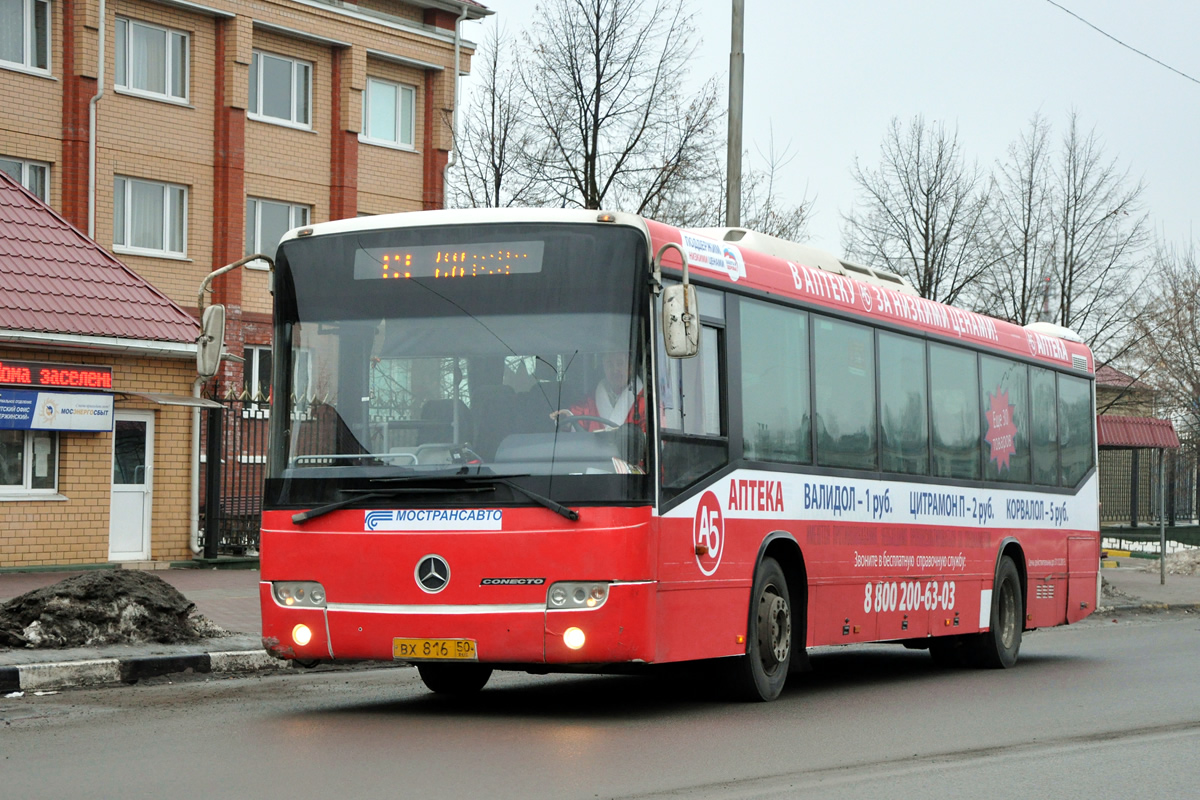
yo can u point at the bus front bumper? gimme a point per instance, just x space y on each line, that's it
620 630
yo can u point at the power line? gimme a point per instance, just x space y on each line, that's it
1118 41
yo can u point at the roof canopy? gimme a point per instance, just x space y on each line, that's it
1134 432
55 280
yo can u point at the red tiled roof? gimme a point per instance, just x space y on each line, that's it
54 279
1107 375
1112 431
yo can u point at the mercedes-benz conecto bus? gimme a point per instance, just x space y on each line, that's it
584 441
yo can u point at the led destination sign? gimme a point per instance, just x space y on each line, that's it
44 375
459 261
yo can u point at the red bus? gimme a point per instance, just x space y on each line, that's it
539 440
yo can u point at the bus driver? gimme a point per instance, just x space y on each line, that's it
618 398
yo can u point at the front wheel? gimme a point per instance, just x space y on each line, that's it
761 673
997 648
456 679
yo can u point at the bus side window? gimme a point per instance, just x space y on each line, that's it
690 400
956 417
776 424
1004 402
1075 421
1044 426
844 366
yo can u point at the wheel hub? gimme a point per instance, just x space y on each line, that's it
774 629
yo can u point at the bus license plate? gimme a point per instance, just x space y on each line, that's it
434 649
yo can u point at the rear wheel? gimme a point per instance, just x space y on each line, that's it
458 679
761 673
998 647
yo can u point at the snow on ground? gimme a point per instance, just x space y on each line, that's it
1181 562
99 608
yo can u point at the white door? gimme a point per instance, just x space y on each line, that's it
132 486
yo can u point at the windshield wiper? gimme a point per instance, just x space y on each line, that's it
544 502
504 480
359 495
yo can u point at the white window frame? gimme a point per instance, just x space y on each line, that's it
126 204
124 57
27 167
29 44
11 491
406 114
251 378
299 215
255 104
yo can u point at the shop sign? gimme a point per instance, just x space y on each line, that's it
55 411
48 375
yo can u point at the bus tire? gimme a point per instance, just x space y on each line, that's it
760 674
997 648
455 679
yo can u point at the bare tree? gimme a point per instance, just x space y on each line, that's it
921 212
1167 332
763 210
1019 229
1100 237
604 83
496 146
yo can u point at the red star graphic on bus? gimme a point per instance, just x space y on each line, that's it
1001 431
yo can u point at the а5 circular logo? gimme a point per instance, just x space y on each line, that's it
708 533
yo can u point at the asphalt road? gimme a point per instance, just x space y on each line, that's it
1097 710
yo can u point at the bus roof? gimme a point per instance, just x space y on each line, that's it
773 266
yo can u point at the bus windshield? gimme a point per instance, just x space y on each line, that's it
467 349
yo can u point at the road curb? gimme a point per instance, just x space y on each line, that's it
1150 607
108 671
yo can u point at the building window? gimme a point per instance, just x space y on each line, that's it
25 33
280 90
28 461
149 217
388 113
257 375
151 60
267 221
33 175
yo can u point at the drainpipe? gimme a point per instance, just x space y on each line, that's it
92 127
194 521
453 158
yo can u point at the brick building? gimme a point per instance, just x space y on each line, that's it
219 124
95 448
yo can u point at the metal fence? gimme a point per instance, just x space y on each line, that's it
234 444
1129 485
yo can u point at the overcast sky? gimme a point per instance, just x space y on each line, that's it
826 78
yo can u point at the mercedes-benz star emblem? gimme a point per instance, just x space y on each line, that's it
432 573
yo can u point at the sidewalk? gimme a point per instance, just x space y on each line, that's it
230 599
227 597
1142 589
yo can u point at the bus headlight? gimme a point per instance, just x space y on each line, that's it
577 594
301 635
573 638
303 594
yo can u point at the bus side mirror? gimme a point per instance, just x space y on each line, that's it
211 341
680 321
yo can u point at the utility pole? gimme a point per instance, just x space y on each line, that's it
733 169
1045 315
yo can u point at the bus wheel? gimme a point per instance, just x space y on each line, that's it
761 673
998 647
454 678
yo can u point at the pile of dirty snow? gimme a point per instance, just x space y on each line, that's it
1181 562
98 608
